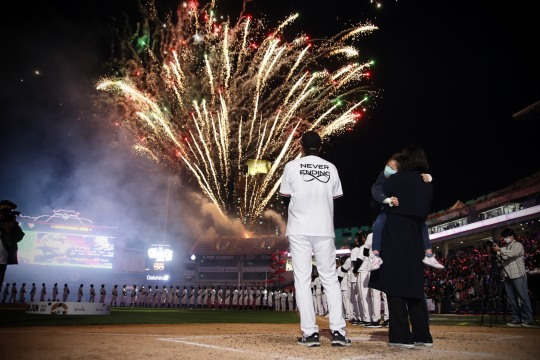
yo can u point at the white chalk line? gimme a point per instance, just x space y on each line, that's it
257 353
471 353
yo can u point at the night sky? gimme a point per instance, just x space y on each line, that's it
450 76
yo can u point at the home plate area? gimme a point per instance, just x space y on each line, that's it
253 341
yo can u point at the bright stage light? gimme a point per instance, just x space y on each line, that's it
193 257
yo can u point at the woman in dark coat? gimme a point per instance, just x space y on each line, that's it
401 276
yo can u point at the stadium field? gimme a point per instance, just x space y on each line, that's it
208 334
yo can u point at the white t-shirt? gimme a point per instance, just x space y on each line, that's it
312 184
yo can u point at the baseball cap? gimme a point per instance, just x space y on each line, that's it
311 140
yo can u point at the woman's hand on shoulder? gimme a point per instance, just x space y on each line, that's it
427 178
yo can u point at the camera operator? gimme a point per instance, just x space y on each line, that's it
515 281
10 234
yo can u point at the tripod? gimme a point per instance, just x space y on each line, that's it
493 296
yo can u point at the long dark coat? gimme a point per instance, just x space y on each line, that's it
402 250
10 240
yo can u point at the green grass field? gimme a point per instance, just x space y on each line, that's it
123 316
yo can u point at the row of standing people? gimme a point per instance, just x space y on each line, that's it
237 298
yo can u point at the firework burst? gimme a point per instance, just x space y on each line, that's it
208 96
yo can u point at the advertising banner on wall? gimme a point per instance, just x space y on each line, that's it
68 308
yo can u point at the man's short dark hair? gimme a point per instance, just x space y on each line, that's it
508 232
311 142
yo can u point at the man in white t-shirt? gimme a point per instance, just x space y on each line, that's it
312 184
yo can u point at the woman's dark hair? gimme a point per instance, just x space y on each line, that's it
413 158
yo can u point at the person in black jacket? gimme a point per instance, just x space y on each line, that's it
10 234
402 276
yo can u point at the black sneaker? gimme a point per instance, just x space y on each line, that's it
309 341
354 321
340 340
374 324
386 323
364 323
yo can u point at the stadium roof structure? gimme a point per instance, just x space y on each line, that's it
527 186
241 246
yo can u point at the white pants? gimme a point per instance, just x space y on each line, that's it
323 247
347 306
354 299
376 294
364 295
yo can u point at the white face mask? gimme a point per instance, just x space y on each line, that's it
508 240
388 171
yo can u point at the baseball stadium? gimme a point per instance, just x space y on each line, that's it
468 312
198 180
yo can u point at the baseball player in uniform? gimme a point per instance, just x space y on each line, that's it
133 296
363 282
157 296
284 301
22 294
290 300
92 293
114 295
164 295
324 301
240 298
5 293
124 295
192 298
355 266
199 297
204 298
184 298
149 296
33 292
102 294
141 299
177 297
312 184
65 293
375 294
170 296
257 298
264 295
13 297
251 296
318 296
235 299
277 300
246 298
270 299
43 292
227 299
313 295
80 293
343 276
55 292
220 297
213 297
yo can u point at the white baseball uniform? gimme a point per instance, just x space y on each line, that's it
313 183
